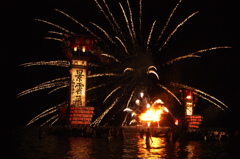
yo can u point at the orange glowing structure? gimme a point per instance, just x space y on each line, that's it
188 101
151 115
77 49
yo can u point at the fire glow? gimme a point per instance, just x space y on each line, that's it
151 115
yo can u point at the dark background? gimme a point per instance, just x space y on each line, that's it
216 73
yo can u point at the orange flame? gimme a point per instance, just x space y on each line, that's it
151 115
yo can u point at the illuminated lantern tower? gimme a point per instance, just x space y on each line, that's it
190 100
78 49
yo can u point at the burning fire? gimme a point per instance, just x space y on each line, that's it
151 115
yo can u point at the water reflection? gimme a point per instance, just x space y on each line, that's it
135 147
158 148
192 148
131 147
80 147
28 145
90 148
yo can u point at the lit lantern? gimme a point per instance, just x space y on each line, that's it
137 102
188 100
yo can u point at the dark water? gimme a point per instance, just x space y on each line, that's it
26 144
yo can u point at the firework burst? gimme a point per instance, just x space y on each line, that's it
128 61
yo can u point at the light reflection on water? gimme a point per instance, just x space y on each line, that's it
28 145
157 149
135 147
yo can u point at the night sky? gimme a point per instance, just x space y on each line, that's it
215 73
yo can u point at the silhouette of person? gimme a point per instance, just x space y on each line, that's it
148 139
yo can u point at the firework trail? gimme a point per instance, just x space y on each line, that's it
130 67
203 95
49 111
61 63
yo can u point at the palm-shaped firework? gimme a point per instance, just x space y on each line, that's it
126 64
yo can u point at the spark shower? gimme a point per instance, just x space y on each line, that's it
126 64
